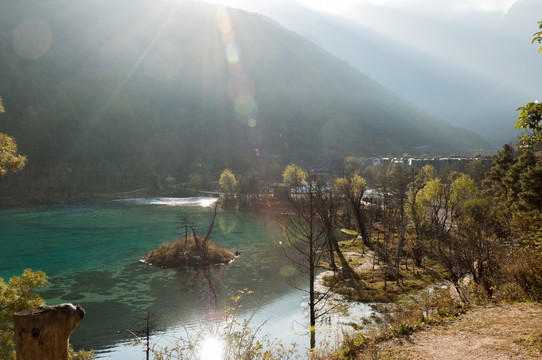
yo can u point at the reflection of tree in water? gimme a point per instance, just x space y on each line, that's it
227 223
203 282
143 329
206 287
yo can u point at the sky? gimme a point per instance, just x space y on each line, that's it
342 7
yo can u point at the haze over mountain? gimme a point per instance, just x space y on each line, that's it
118 94
469 63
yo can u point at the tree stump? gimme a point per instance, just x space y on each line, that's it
44 333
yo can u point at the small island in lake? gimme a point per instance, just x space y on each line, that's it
190 251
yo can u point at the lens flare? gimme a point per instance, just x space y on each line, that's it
223 20
240 85
245 105
32 39
232 53
227 38
236 68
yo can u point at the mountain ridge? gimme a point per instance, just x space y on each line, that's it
129 93
469 69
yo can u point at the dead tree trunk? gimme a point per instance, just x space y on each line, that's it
44 333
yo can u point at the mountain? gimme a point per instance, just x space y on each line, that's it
472 69
116 94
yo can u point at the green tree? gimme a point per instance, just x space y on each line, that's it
9 159
531 184
530 120
353 189
471 249
530 116
227 182
495 179
526 178
436 198
462 189
418 225
294 175
17 295
512 180
538 36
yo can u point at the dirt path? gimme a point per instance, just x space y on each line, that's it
494 333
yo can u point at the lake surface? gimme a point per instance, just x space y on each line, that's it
90 253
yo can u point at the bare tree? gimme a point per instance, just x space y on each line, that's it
398 192
201 243
304 245
145 327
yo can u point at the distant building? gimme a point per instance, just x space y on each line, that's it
413 162
281 190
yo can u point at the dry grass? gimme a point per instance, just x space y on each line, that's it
400 320
532 342
377 283
181 253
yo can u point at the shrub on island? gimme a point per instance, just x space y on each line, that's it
189 252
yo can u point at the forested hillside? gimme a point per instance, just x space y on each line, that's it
112 95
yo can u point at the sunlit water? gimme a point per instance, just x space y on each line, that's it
90 253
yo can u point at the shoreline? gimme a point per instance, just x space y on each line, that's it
8 201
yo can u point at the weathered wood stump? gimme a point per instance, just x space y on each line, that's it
44 333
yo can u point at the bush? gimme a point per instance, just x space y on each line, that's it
19 294
185 253
526 271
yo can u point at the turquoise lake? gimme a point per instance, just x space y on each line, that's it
90 253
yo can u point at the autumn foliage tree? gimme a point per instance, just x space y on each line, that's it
294 176
18 294
228 184
9 159
353 188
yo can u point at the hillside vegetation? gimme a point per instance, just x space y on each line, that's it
117 95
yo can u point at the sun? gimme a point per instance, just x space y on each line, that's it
211 349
